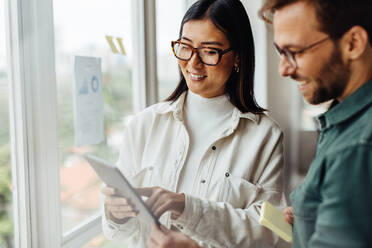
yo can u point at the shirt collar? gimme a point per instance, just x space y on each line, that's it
177 107
349 107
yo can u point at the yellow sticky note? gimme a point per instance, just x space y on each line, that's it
274 219
111 43
120 41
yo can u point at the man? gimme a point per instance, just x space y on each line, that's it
326 46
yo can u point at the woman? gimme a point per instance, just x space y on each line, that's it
208 156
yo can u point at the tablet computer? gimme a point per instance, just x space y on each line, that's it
112 176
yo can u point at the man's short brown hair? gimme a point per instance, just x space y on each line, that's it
336 17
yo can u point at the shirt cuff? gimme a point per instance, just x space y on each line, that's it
113 228
191 215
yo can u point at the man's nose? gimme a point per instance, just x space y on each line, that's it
285 68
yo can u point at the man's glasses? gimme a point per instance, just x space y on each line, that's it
206 55
291 56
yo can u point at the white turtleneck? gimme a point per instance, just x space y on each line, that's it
205 120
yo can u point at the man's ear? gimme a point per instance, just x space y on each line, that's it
354 42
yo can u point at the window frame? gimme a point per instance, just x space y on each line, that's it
33 137
33 119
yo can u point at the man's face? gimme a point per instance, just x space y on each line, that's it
320 72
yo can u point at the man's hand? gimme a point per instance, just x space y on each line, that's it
165 238
289 216
161 200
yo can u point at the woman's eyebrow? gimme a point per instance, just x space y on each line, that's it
204 42
212 43
185 38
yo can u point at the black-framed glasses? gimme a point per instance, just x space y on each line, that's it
207 55
291 56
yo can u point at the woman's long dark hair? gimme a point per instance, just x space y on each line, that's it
230 17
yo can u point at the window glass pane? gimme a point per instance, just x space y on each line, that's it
6 222
80 29
167 28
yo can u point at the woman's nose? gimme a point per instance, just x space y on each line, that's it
195 61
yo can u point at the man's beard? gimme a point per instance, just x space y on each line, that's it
332 79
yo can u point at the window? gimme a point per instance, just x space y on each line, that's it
6 222
82 31
167 29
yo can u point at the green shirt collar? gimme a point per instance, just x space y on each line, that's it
350 106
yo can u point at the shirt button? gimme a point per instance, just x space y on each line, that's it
213 148
180 227
202 181
227 174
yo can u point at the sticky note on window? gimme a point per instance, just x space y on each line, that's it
111 43
274 219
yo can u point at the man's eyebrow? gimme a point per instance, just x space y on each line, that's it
204 42
288 46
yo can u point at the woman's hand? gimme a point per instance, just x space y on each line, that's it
119 208
289 216
165 238
161 200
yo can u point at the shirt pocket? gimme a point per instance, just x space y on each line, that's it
237 191
147 177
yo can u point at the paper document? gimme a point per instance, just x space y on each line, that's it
274 219
88 101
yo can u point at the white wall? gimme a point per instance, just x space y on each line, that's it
281 97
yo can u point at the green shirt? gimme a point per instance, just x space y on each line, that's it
333 206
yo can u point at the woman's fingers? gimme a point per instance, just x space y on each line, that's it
146 191
164 238
163 229
161 200
122 215
158 202
161 208
118 206
154 195
108 191
117 200
158 237
122 211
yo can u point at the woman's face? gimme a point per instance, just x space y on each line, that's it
205 80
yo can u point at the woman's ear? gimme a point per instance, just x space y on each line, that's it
236 61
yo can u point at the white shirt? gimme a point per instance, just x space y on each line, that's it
205 119
242 168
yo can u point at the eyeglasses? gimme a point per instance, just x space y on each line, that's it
291 56
207 55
